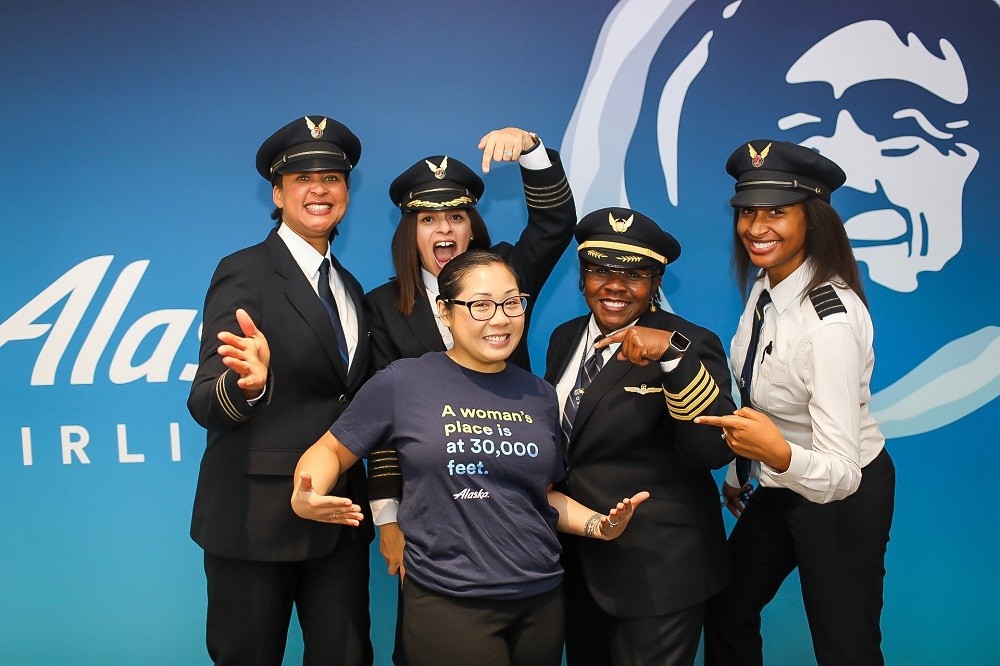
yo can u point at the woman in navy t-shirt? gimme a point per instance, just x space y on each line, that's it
480 447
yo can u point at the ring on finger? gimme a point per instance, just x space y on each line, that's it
613 523
508 153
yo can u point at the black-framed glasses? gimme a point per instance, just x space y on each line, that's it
483 309
630 276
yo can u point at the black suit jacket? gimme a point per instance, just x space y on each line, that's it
673 554
551 222
241 507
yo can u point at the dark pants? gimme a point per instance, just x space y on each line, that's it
250 605
594 638
439 630
839 549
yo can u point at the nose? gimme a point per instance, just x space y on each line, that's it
504 317
444 226
758 222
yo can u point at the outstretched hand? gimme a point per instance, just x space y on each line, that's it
613 525
504 145
307 503
248 356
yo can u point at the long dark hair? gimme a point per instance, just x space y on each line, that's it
827 246
406 260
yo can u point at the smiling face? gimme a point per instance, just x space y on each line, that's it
483 345
441 236
312 204
774 238
614 299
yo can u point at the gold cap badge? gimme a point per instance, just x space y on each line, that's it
757 159
438 170
620 226
314 129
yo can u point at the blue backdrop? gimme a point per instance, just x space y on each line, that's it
128 137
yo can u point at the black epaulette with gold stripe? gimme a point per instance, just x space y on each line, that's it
826 301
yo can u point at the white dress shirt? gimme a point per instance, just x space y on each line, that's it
812 378
309 260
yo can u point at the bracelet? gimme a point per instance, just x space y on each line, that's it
592 525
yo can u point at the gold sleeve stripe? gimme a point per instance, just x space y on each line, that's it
693 399
549 196
227 405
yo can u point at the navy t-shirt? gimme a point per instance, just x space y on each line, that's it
477 451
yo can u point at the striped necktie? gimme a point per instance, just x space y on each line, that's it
588 371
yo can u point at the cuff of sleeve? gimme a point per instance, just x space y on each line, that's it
693 398
731 478
670 366
231 398
254 401
796 466
536 158
384 511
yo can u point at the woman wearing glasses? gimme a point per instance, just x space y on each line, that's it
437 199
480 453
630 379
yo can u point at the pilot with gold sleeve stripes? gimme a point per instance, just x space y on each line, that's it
630 379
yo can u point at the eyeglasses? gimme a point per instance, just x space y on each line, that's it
630 276
484 309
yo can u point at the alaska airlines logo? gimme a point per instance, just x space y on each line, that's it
471 494
146 351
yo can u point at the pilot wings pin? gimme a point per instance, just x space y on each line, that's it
643 389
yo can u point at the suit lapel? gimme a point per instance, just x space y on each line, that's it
360 363
300 294
421 322
562 350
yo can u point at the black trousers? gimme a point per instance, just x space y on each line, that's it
839 549
594 638
250 605
439 630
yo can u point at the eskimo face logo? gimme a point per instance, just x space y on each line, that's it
316 130
915 175
438 170
757 159
620 226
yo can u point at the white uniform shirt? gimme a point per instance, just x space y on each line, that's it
812 378
309 261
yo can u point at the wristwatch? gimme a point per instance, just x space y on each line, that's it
679 344
534 137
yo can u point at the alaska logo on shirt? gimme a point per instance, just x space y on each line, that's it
472 494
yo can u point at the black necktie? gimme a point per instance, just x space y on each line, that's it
326 297
747 469
586 375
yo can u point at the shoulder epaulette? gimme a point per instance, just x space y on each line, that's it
826 301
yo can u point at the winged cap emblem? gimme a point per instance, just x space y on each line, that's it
620 226
757 159
314 129
438 169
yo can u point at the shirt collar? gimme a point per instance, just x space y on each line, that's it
430 281
791 287
304 254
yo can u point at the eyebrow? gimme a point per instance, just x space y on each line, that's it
925 124
796 119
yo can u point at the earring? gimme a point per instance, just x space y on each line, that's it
652 306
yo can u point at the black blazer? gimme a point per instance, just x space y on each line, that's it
241 507
551 222
673 554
